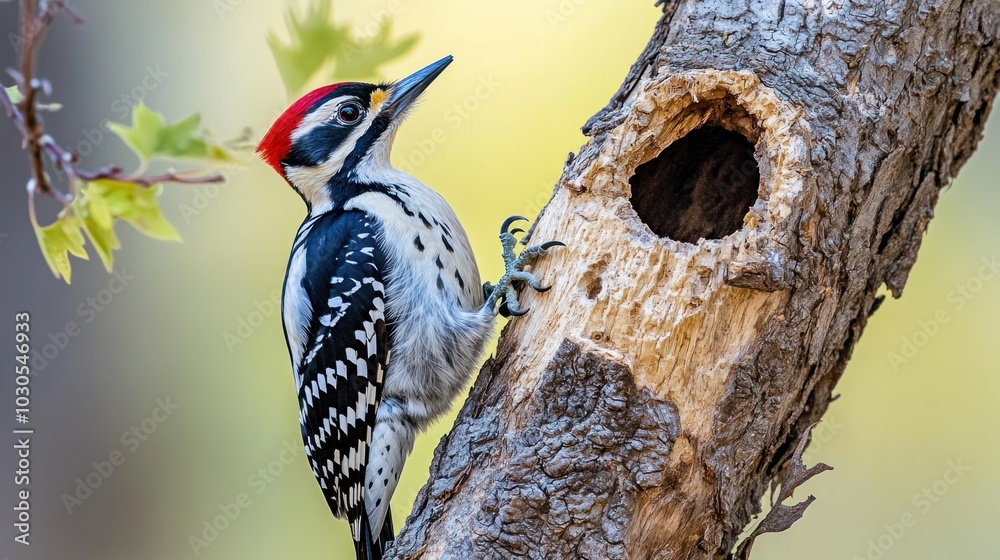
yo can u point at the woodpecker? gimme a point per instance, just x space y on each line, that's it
383 311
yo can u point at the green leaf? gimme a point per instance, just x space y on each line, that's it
149 219
311 40
95 207
104 239
101 204
58 241
316 42
362 59
151 137
14 94
98 223
15 97
139 206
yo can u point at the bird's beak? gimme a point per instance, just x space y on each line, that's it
407 90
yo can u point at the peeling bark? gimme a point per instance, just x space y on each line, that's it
646 403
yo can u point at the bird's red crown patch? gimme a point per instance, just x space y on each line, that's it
274 146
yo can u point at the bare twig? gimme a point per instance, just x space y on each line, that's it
114 172
24 114
31 203
782 516
33 29
65 161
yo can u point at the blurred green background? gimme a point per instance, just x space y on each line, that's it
197 323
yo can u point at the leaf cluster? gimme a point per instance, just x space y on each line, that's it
99 204
318 45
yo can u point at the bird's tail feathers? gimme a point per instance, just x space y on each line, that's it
370 547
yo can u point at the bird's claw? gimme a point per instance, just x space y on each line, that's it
507 223
506 312
504 292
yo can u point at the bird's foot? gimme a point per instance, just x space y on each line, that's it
505 290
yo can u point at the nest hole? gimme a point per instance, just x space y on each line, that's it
700 186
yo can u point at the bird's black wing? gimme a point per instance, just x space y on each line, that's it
343 359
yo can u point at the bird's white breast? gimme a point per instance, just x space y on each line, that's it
434 298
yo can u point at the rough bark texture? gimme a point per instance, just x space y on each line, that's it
645 404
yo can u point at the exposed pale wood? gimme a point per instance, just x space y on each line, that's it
644 405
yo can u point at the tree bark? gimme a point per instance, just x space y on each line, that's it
644 405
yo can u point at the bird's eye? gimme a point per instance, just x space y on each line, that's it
349 113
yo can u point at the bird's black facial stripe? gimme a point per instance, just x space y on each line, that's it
377 128
316 146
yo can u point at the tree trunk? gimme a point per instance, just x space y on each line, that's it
644 405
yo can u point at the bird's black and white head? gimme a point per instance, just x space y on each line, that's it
342 134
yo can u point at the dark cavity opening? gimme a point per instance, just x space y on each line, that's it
701 186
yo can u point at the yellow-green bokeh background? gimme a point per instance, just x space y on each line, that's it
554 63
